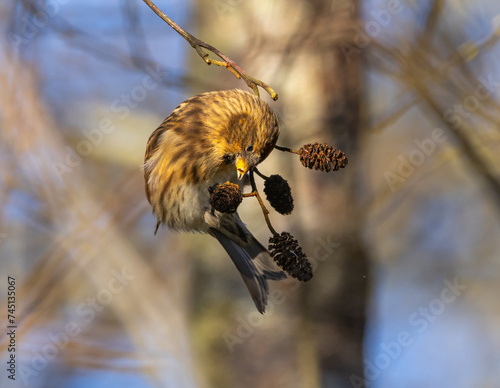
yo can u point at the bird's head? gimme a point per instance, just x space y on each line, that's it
250 138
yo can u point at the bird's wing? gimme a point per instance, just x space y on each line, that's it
154 138
252 260
151 147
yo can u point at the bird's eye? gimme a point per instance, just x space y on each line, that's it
250 148
228 158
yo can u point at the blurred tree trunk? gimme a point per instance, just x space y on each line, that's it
299 49
341 348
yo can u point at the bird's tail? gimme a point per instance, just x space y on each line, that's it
254 263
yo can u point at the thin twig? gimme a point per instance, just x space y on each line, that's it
255 193
260 174
226 62
286 149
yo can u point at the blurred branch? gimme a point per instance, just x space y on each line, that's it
80 238
135 33
136 59
415 68
226 62
473 154
432 19
106 51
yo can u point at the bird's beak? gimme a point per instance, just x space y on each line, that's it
241 167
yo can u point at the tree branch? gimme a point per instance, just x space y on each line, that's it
226 62
255 193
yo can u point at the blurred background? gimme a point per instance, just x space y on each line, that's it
403 242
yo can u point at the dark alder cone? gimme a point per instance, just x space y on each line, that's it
287 253
322 157
225 198
279 194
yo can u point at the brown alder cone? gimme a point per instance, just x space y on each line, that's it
211 138
225 198
322 157
287 253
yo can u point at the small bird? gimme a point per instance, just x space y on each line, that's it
213 138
